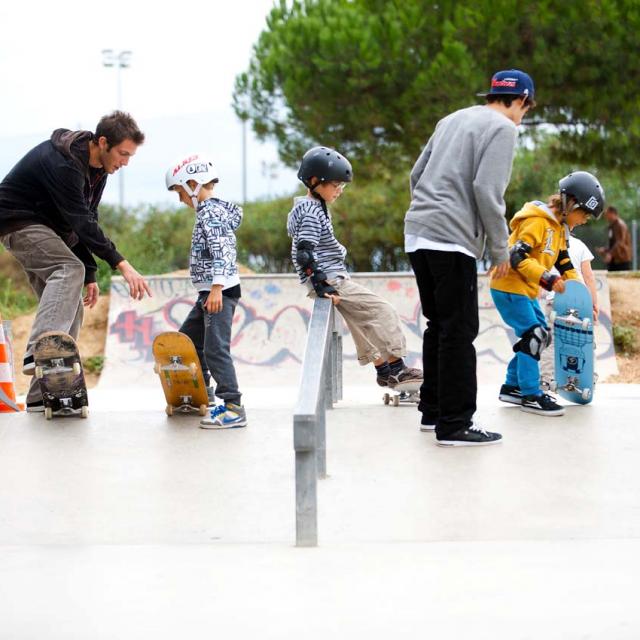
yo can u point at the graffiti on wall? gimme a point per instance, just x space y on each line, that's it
270 327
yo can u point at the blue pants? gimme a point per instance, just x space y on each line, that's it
521 313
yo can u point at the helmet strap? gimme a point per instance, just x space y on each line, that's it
193 193
317 196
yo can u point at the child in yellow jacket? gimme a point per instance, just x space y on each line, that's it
538 242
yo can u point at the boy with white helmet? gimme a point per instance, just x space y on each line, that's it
214 274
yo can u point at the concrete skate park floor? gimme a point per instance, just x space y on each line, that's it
133 525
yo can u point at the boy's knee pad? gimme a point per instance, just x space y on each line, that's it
533 341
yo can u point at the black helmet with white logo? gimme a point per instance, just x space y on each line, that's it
585 189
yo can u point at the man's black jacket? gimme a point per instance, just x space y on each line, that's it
54 185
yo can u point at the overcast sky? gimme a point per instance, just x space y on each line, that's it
185 57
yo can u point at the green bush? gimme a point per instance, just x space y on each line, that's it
368 220
625 339
15 302
94 364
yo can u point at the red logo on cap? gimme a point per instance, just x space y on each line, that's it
504 83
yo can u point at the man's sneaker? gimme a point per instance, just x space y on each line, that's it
509 393
28 366
427 424
35 407
543 405
405 376
225 416
471 436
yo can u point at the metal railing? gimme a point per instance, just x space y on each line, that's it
320 387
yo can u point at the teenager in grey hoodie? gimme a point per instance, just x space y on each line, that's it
457 206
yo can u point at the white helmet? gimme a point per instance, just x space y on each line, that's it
197 167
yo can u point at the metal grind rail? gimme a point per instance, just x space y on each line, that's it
320 387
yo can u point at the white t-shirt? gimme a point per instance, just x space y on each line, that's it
578 253
413 243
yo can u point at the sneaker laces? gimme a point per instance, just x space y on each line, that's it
217 410
477 428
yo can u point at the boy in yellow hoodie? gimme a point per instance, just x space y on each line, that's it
538 242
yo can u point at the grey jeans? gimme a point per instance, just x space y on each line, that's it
211 335
57 277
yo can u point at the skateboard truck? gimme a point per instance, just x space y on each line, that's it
572 386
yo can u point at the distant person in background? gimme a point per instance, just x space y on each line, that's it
49 223
617 255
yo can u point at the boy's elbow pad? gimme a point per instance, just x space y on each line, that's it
563 263
519 252
304 255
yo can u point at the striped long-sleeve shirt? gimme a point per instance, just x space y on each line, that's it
307 221
213 244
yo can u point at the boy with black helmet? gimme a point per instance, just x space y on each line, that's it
539 241
214 274
319 260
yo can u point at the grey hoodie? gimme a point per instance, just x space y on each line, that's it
459 180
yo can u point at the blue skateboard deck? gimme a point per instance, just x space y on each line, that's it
572 319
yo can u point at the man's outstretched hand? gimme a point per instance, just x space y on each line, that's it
137 284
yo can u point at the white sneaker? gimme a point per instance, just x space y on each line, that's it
225 416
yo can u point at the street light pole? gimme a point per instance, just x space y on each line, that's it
119 60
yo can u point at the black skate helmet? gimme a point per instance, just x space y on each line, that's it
325 164
585 189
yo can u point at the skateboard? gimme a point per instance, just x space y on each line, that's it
403 392
59 372
177 364
572 320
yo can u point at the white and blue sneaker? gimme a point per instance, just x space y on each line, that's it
225 416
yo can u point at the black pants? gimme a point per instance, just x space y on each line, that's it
448 287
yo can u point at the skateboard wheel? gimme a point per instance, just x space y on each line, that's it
203 409
396 401
156 369
169 410
193 368
39 372
48 413
586 394
386 398
77 368
586 323
84 411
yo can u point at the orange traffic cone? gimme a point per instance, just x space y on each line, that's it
7 390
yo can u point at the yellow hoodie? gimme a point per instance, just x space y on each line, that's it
537 226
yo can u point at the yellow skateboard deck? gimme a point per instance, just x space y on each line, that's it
177 364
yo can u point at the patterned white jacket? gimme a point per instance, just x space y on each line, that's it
213 244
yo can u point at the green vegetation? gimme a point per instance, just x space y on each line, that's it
94 364
368 219
15 301
625 339
372 77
